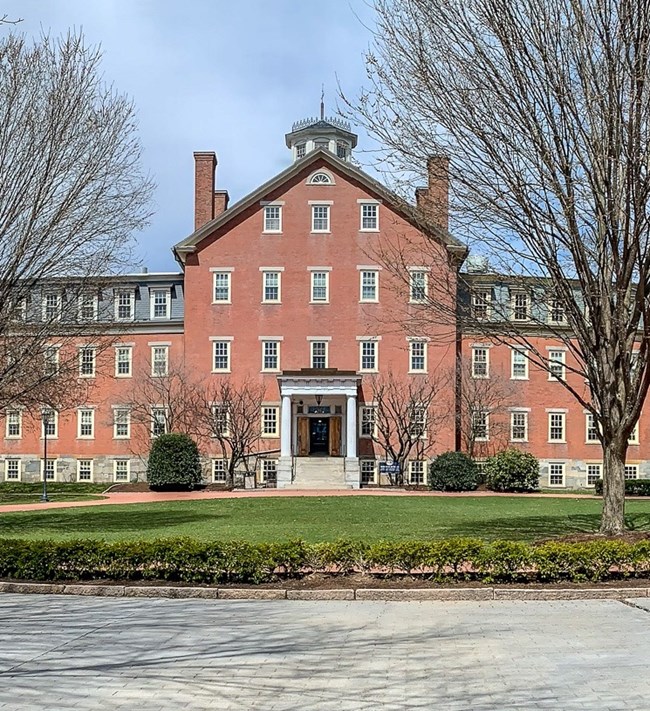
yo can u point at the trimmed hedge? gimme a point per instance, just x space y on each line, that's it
189 561
511 470
174 463
633 487
453 471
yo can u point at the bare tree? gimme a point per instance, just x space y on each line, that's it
72 194
407 412
232 413
543 108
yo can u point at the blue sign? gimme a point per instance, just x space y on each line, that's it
389 468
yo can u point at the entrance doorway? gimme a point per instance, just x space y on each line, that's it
319 435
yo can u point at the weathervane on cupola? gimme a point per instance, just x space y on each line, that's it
324 133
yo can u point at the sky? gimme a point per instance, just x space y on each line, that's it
213 75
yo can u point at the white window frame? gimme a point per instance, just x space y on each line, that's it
156 362
92 470
418 420
19 469
152 303
267 466
129 361
83 350
363 206
275 432
364 420
51 363
553 361
368 464
126 422
418 293
513 361
267 342
425 348
375 286
326 286
562 466
321 177
131 294
552 308
477 361
267 220
82 413
10 412
314 343
223 466
514 296
218 342
375 355
94 302
126 461
327 218
154 421
634 435
562 416
598 466
481 298
266 274
228 286
222 411
54 421
631 469
55 468
485 414
421 463
58 306
591 426
514 414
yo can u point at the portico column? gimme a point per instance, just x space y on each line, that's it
285 427
351 427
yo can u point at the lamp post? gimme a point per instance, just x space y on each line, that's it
46 422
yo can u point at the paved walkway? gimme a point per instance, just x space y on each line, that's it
87 654
147 497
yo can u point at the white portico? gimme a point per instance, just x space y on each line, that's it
318 427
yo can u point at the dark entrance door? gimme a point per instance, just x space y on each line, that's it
319 435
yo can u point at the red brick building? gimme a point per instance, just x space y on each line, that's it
289 288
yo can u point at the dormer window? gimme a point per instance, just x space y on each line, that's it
320 179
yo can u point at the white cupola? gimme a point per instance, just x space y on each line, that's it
325 133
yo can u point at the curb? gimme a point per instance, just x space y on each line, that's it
385 594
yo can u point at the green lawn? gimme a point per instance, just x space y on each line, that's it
30 493
326 518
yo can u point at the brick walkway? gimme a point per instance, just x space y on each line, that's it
148 497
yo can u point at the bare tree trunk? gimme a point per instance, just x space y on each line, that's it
613 516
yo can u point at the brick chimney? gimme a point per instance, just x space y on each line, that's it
434 199
208 202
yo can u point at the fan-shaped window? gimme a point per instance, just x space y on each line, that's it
320 179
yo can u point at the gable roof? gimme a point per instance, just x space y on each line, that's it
406 210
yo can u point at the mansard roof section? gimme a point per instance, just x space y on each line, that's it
411 213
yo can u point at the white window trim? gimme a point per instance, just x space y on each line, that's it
116 304
92 422
524 352
487 425
228 342
361 273
126 409
151 411
592 464
55 467
20 423
549 312
278 342
272 271
321 203
213 467
632 465
168 305
55 419
424 472
557 441
130 361
20 468
513 294
221 272
362 407
92 470
95 300
563 484
587 440
326 342
551 376
154 374
128 471
276 433
424 370
326 272
364 460
59 306
277 205
634 435
321 171
512 416
418 270
488 303
487 362
376 367
365 203
94 352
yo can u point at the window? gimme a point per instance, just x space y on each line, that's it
87 307
481 425
556 368
221 287
631 471
518 364
12 469
520 306
369 217
87 362
321 144
320 287
85 423
480 363
556 426
300 150
49 423
122 470
341 151
158 421
271 287
51 307
84 470
556 474
49 469
594 472
418 286
124 305
123 362
368 355
14 423
269 471
367 421
219 470
417 421
320 178
160 303
556 311
320 218
271 355
519 426
220 356
368 471
51 358
417 472
634 435
319 354
481 305
270 421
159 361
417 357
220 420
273 218
121 423
369 284
591 428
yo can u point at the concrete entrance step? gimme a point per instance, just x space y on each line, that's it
319 473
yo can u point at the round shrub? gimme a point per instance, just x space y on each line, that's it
453 471
174 463
512 470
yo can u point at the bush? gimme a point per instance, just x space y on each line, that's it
633 487
174 463
453 471
512 470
